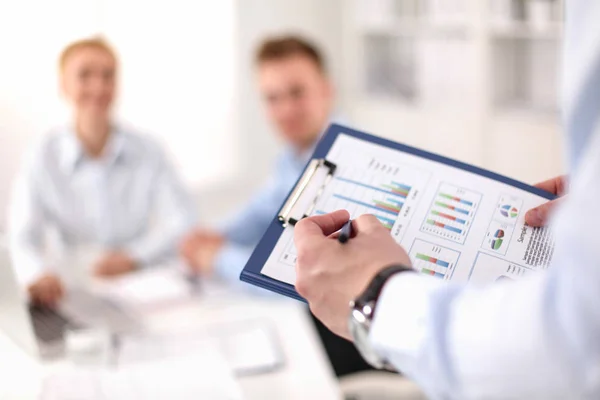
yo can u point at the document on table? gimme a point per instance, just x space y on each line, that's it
147 289
457 222
248 347
206 377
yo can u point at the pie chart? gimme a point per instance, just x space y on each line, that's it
497 242
509 211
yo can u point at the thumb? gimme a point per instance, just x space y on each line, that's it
367 223
538 216
320 226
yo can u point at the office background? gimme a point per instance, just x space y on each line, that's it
471 79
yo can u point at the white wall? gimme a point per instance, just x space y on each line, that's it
257 144
178 80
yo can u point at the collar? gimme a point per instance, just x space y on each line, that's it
302 157
72 155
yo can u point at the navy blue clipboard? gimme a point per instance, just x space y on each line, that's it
252 271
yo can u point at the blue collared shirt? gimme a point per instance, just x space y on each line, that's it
129 199
245 229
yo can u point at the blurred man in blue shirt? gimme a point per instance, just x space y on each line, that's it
299 99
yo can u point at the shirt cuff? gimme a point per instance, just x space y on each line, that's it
28 269
140 256
399 328
230 261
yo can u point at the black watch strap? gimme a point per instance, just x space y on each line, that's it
373 291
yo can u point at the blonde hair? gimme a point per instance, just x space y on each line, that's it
93 43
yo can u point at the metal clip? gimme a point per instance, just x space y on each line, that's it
312 168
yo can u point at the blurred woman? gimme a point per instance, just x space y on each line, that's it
94 184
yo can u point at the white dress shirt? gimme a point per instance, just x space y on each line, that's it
533 339
129 199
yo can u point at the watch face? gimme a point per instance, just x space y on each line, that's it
360 333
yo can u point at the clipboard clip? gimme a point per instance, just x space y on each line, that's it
315 178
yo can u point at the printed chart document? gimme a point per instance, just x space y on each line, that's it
457 222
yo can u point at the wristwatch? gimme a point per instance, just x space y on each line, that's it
362 311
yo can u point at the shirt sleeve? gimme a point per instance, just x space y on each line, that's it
26 225
244 231
229 263
247 226
536 338
174 213
231 259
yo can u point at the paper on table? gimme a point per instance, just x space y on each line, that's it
248 347
205 377
146 287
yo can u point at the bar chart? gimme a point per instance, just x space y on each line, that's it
385 201
379 189
451 213
434 260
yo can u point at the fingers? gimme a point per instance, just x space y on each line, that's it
539 216
320 226
46 292
366 223
555 186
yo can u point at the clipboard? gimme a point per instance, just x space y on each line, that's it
318 174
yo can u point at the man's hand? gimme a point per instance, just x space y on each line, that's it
539 216
199 250
114 264
47 291
329 274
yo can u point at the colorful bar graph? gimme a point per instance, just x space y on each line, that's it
432 260
458 199
432 273
385 220
448 216
388 206
444 226
395 211
393 190
402 186
388 226
398 203
450 207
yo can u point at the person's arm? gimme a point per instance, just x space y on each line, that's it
175 216
541 335
26 224
536 338
247 226
244 231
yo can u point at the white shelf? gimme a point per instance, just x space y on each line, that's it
525 110
523 30
417 27
487 79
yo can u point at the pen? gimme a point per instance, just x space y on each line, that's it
345 232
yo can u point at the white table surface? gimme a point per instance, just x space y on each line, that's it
305 375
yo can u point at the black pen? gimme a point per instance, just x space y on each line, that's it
345 232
